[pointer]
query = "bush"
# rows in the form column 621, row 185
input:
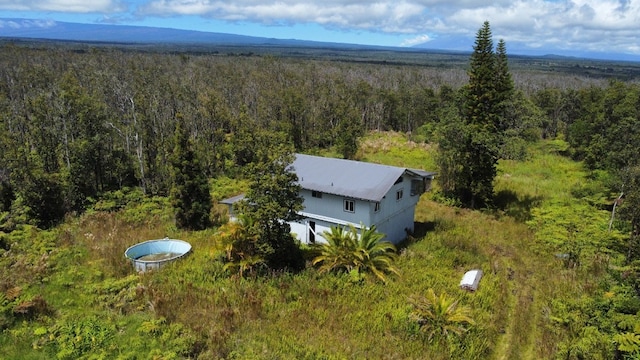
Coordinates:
column 356, row 252
column 440, row 316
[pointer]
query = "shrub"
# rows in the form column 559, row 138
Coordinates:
column 440, row 316
column 238, row 241
column 356, row 253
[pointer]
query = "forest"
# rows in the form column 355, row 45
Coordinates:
column 99, row 143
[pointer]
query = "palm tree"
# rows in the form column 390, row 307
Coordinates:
column 376, row 256
column 348, row 250
column 238, row 240
column 440, row 315
column 337, row 253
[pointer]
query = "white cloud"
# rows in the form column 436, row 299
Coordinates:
column 585, row 24
column 25, row 24
column 68, row 6
column 383, row 16
column 537, row 23
column 416, row 40
column 589, row 24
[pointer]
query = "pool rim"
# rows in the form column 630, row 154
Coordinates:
column 157, row 261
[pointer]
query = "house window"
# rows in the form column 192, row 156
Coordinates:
column 417, row 187
column 349, row 206
column 399, row 194
column 376, row 206
column 400, row 179
column 316, row 194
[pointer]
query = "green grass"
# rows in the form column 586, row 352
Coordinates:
column 192, row 308
column 545, row 175
column 395, row 149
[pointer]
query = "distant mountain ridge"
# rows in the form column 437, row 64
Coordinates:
column 58, row 30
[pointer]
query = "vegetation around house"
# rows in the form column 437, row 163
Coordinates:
column 88, row 155
column 356, row 252
column 70, row 293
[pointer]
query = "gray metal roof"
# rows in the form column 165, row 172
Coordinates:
column 232, row 200
column 354, row 179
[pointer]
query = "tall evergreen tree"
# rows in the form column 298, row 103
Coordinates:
column 40, row 195
column 504, row 82
column 273, row 199
column 480, row 91
column 504, row 88
column 470, row 161
column 190, row 192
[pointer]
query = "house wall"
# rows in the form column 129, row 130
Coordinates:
column 394, row 217
column 395, row 227
column 302, row 230
column 327, row 211
column 332, row 206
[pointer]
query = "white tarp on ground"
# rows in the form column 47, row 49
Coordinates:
column 471, row 279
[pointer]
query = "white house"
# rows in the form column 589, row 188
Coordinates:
column 343, row 192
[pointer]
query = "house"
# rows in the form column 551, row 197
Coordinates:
column 344, row 192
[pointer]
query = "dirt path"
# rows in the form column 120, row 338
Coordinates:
column 518, row 341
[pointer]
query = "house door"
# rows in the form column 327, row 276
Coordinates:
column 312, row 232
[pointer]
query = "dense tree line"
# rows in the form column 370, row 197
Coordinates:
column 78, row 124
column 603, row 131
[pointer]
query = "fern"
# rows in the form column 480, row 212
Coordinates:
column 628, row 342
column 152, row 327
column 4, row 301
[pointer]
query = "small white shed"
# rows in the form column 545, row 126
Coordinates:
column 470, row 280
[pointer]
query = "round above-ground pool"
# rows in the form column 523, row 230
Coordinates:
column 153, row 254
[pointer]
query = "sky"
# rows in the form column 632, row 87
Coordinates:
column 604, row 26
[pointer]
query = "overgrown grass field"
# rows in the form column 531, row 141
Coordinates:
column 78, row 297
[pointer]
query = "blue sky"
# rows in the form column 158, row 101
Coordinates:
column 604, row 26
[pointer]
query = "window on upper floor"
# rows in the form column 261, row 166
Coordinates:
column 417, row 187
column 316, row 194
column 399, row 194
column 400, row 179
column 376, row 206
column 349, row 206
